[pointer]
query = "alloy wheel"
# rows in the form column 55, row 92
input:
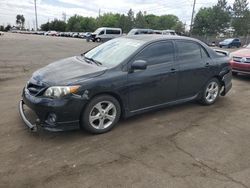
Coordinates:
column 212, row 92
column 102, row 115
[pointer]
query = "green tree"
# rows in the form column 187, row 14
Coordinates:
column 20, row 20
column 152, row 21
column 74, row 23
column 45, row 27
column 57, row 25
column 241, row 17
column 140, row 21
column 8, row 27
column 130, row 19
column 212, row 20
column 1, row 28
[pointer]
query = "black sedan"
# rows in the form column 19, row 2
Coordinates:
column 121, row 78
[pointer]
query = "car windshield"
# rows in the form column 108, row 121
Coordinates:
column 98, row 31
column 113, row 52
column 132, row 32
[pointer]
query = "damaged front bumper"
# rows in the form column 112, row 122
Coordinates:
column 51, row 114
column 32, row 127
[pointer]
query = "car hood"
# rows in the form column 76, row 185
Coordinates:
column 242, row 52
column 68, row 71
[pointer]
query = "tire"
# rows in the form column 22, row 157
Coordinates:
column 101, row 114
column 210, row 92
column 98, row 40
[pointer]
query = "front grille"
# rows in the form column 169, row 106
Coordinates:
column 241, row 59
column 35, row 88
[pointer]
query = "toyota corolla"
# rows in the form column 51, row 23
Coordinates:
column 124, row 77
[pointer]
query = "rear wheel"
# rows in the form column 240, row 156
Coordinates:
column 210, row 92
column 101, row 114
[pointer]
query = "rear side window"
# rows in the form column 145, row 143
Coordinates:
column 188, row 50
column 112, row 32
column 160, row 52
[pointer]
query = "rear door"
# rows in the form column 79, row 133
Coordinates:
column 195, row 67
column 158, row 83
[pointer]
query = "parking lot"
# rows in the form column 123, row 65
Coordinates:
column 183, row 146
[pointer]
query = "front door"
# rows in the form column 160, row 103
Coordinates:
column 158, row 83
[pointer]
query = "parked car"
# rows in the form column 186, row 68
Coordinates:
column 229, row 43
column 164, row 32
column 240, row 62
column 105, row 33
column 51, row 33
column 75, row 35
column 124, row 77
column 1, row 33
column 169, row 32
column 140, row 31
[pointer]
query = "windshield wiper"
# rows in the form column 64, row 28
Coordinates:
column 92, row 60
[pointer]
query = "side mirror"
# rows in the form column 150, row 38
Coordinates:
column 139, row 65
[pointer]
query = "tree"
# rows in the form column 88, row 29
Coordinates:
column 152, row 21
column 45, row 27
column 212, row 20
column 8, row 27
column 57, row 25
column 74, row 23
column 241, row 17
column 140, row 21
column 1, row 28
column 130, row 19
column 20, row 20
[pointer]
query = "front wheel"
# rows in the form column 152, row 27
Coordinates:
column 211, row 92
column 101, row 114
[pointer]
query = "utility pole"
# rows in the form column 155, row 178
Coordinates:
column 36, row 16
column 192, row 18
column 99, row 13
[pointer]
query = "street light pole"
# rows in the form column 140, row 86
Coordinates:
column 36, row 16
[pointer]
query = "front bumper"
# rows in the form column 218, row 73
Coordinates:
column 66, row 110
column 238, row 67
column 31, row 126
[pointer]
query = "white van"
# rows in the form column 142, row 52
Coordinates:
column 105, row 33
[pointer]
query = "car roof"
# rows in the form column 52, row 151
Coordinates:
column 156, row 37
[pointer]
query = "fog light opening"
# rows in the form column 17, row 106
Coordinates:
column 51, row 119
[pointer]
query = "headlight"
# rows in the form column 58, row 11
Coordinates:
column 60, row 91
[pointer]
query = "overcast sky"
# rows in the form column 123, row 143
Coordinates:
column 50, row 9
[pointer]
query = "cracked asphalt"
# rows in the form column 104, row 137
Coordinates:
column 185, row 146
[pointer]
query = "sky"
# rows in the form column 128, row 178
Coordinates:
column 51, row 9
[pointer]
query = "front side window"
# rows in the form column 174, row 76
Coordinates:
column 160, row 52
column 102, row 32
